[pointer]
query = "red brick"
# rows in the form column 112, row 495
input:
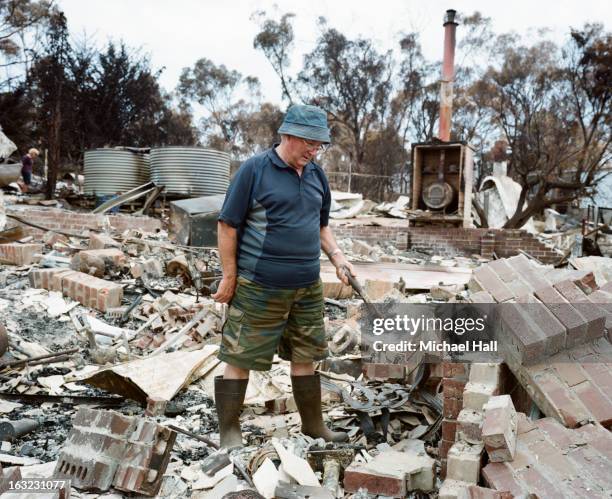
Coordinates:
column 603, row 302
column 145, row 459
column 585, row 280
column 551, row 457
column 522, row 265
column 452, row 407
column 481, row 297
column 391, row 473
column 574, row 322
column 538, row 483
column 546, row 322
column 384, row 371
column 102, row 241
column 490, row 282
column 106, row 448
column 443, row 467
column 85, row 417
column 91, row 291
column 503, row 270
column 601, row 376
column 444, row 446
column 455, row 370
column 469, row 426
column 595, row 464
column 522, row 338
column 599, row 405
column 42, row 278
column 453, row 388
column 476, row 492
column 499, row 429
column 599, row 438
column 499, row 477
column 594, row 317
column 51, row 238
column 449, row 429
column 520, row 287
column 556, row 400
column 571, row 373
column 555, row 432
column 19, row 254
column 58, row 278
column 156, row 406
column 571, row 292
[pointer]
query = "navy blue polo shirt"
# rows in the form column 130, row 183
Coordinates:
column 279, row 216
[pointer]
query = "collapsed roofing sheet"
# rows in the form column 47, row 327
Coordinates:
column 159, row 377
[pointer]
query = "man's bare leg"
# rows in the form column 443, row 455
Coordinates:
column 302, row 368
column 233, row 372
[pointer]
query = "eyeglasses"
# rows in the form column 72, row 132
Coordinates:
column 312, row 146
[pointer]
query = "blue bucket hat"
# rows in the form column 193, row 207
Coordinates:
column 306, row 122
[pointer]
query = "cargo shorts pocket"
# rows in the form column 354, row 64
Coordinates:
column 232, row 329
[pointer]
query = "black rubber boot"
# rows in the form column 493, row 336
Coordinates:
column 229, row 397
column 307, row 395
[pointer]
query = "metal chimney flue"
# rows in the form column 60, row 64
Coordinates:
column 448, row 76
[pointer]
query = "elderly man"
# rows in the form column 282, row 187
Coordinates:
column 272, row 227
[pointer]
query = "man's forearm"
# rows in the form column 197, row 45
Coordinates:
column 335, row 255
column 328, row 242
column 227, row 238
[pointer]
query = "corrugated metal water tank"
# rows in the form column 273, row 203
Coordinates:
column 109, row 171
column 192, row 171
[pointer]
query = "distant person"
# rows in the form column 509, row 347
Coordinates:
column 27, row 162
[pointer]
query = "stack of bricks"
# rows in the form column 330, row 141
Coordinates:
column 454, row 379
column 94, row 448
column 88, row 290
column 464, row 457
column 145, row 459
column 499, row 429
column 19, row 254
column 106, row 448
column 542, row 315
column 487, row 245
column 554, row 461
column 392, row 473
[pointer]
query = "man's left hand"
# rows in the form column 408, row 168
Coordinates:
column 342, row 266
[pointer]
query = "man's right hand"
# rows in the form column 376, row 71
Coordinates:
column 227, row 286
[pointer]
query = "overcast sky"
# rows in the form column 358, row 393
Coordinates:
column 176, row 33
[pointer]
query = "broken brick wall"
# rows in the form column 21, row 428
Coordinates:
column 451, row 241
column 70, row 221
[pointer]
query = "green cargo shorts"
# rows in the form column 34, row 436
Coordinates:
column 263, row 321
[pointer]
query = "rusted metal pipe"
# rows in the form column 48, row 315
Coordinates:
column 448, row 76
column 50, row 357
column 194, row 436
